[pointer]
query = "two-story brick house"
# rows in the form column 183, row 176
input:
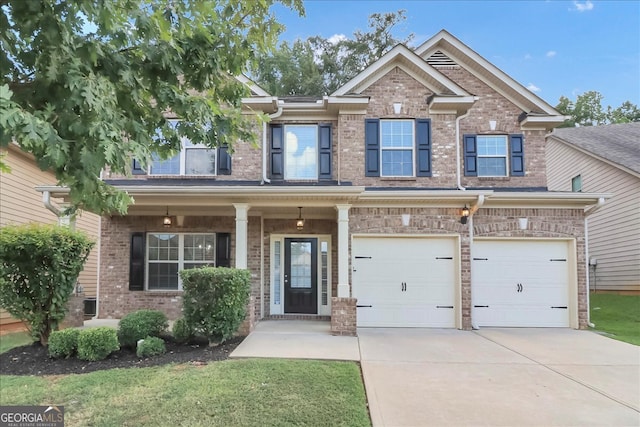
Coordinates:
column 414, row 196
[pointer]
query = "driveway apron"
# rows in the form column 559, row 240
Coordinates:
column 499, row 377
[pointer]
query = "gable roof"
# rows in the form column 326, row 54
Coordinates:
column 406, row 59
column 619, row 143
column 456, row 51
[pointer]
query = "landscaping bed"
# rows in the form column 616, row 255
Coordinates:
column 34, row 359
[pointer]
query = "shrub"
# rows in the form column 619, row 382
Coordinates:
column 97, row 343
column 63, row 343
column 181, row 331
column 151, row 346
column 39, row 267
column 215, row 300
column 140, row 324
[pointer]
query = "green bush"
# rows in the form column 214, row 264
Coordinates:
column 97, row 343
column 215, row 300
column 140, row 324
column 39, row 267
column 151, row 346
column 181, row 331
column 63, row 343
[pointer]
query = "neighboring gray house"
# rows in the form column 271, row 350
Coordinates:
column 604, row 159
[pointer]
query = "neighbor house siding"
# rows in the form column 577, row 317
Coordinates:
column 20, row 203
column 614, row 230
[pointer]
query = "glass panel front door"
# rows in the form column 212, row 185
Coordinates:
column 301, row 276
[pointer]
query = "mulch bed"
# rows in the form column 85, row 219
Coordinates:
column 34, row 359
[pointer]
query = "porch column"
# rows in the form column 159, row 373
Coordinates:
column 242, row 220
column 343, row 251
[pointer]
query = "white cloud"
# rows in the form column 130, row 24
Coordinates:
column 551, row 54
column 582, row 6
column 533, row 88
column 528, row 56
column 336, row 38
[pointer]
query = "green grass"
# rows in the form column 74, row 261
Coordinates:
column 617, row 315
column 17, row 339
column 250, row 392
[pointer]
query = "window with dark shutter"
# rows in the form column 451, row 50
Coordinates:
column 470, row 155
column 372, row 147
column 223, row 250
column 136, row 168
column 136, row 262
column 324, row 152
column 516, row 143
column 277, row 152
column 423, row 147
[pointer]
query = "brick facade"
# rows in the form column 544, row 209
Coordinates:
column 343, row 316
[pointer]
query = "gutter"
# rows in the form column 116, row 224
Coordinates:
column 588, row 212
column 275, row 115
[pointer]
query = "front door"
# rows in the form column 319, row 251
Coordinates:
column 300, row 276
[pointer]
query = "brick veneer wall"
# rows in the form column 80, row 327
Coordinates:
column 543, row 223
column 343, row 316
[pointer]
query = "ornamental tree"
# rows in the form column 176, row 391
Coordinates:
column 88, row 84
column 39, row 268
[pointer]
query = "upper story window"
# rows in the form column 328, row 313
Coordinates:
column 192, row 159
column 397, row 148
column 301, row 152
column 576, row 184
column 493, row 155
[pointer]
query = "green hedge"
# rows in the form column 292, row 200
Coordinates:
column 151, row 346
column 97, row 343
column 181, row 331
column 39, row 267
column 141, row 324
column 63, row 343
column 215, row 300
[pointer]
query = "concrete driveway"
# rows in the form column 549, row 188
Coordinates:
column 499, row 377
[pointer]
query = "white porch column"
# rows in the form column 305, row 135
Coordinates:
column 343, row 251
column 242, row 244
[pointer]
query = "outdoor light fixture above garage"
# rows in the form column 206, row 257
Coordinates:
column 465, row 215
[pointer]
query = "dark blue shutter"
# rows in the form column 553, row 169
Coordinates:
column 224, row 160
column 223, row 249
column 470, row 155
column 324, row 151
column 136, row 168
column 423, row 147
column 516, row 142
column 277, row 152
column 372, row 147
column 136, row 262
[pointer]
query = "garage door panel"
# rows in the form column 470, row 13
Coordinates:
column 408, row 282
column 517, row 283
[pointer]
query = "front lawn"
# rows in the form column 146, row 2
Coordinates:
column 15, row 339
column 617, row 315
column 249, row 392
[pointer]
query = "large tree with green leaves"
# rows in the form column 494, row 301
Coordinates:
column 319, row 66
column 87, row 84
column 587, row 110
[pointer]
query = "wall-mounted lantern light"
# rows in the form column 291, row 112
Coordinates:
column 464, row 215
column 167, row 221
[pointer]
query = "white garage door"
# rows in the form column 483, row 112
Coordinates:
column 520, row 283
column 405, row 281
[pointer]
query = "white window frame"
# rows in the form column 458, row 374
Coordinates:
column 180, row 261
column 412, row 148
column 185, row 146
column 505, row 156
column 285, row 149
column 576, row 184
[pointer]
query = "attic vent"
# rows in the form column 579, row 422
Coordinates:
column 439, row 59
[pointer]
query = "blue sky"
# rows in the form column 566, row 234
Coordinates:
column 553, row 47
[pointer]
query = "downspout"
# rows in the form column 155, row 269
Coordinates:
column 275, row 115
column 588, row 213
column 473, row 210
column 458, row 179
column 46, row 200
column 261, row 266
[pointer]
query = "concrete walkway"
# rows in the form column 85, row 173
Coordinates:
column 297, row 339
column 492, row 377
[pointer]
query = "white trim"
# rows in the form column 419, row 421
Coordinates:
column 252, row 85
column 507, row 156
column 278, row 309
column 412, row 148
